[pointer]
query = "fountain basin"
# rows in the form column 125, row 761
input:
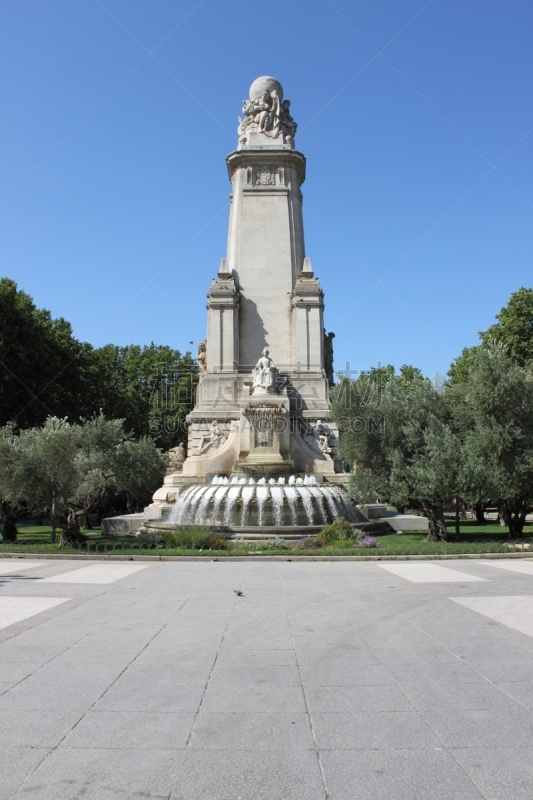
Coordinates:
column 269, row 506
column 249, row 533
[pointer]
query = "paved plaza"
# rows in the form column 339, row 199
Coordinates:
column 346, row 681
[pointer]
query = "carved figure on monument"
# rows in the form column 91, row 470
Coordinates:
column 328, row 356
column 176, row 457
column 266, row 112
column 288, row 122
column 318, row 436
column 212, row 439
column 265, row 374
column 202, row 357
column 261, row 112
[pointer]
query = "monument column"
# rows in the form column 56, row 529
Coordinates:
column 265, row 238
column 265, row 303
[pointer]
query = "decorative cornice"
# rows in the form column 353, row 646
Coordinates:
column 275, row 158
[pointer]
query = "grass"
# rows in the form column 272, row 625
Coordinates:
column 473, row 539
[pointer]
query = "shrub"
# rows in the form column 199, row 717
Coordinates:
column 309, row 543
column 338, row 530
column 276, row 541
column 194, row 539
column 218, row 543
column 169, row 539
column 367, row 541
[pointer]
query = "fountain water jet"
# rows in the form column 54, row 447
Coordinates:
column 266, row 503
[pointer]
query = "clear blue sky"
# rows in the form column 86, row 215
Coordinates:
column 416, row 120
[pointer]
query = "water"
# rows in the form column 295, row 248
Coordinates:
column 334, row 511
column 247, row 494
column 181, row 508
column 347, row 507
column 220, row 494
column 201, row 501
column 320, row 503
column 290, row 494
column 262, row 494
column 277, row 504
column 233, row 494
column 265, row 502
column 307, row 503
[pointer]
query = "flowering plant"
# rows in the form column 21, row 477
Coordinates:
column 368, row 541
column 310, row 542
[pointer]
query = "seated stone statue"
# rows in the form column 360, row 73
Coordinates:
column 212, row 439
column 176, row 457
column 265, row 374
column 318, row 435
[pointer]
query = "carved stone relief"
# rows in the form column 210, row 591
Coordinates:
column 265, row 177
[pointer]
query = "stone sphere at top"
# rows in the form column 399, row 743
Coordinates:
column 265, row 84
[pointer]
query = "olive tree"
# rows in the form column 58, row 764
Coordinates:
column 69, row 469
column 397, row 431
column 493, row 411
column 12, row 500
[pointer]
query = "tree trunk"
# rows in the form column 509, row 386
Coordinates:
column 516, row 526
column 437, row 525
column 9, row 525
column 479, row 509
column 513, row 514
column 52, row 520
column 70, row 530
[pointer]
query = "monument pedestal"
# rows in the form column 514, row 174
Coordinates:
column 265, row 436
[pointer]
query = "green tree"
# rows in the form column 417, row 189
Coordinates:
column 44, row 370
column 68, row 469
column 12, row 501
column 493, row 411
column 400, row 438
column 514, row 331
column 152, row 388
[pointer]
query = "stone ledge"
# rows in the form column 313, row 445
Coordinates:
column 124, row 523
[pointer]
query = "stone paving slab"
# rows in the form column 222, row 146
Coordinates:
column 334, row 681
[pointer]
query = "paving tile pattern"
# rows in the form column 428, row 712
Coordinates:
column 324, row 681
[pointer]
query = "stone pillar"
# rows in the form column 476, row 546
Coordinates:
column 266, row 248
column 308, row 325
column 222, row 326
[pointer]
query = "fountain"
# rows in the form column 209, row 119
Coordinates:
column 262, row 455
column 250, row 508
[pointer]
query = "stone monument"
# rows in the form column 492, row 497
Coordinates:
column 266, row 367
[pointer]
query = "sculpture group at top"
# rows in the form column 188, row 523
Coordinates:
column 267, row 112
